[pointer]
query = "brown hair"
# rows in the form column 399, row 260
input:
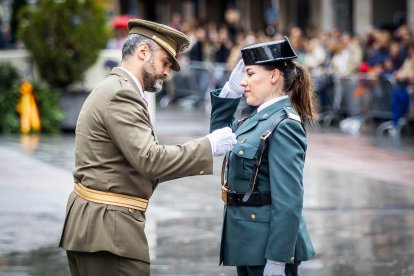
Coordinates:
column 298, row 85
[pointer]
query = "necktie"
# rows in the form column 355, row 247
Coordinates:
column 145, row 100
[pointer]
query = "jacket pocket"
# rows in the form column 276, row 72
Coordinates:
column 137, row 215
column 254, row 214
column 245, row 158
column 245, row 150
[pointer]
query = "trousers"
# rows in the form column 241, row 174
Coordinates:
column 290, row 270
column 105, row 264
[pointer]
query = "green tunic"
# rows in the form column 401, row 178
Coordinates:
column 250, row 235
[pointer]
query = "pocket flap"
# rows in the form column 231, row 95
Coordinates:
column 254, row 214
column 245, row 150
column 138, row 215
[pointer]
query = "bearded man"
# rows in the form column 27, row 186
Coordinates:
column 119, row 162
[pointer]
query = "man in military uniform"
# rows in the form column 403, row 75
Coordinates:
column 119, row 163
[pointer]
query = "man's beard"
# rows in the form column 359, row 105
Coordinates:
column 152, row 82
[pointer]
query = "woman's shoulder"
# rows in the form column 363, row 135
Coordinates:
column 291, row 121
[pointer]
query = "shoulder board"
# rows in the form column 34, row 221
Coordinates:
column 125, row 82
column 293, row 116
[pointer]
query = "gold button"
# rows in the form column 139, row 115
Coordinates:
column 292, row 259
column 130, row 210
column 241, row 152
column 201, row 172
column 253, row 216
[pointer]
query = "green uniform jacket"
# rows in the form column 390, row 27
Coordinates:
column 116, row 151
column 250, row 235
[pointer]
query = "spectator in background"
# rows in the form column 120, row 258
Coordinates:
column 345, row 63
column 197, row 51
column 234, row 54
column 406, row 72
column 316, row 60
column 397, row 54
column 400, row 99
column 393, row 62
column 119, row 26
column 315, row 54
column 379, row 53
column 118, row 40
column 175, row 22
column 222, row 46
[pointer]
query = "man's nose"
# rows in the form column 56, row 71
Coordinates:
column 166, row 72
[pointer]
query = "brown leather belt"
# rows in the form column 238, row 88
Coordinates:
column 136, row 203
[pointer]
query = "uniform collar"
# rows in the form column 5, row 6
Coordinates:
column 273, row 107
column 128, row 76
column 141, row 91
column 270, row 102
column 263, row 114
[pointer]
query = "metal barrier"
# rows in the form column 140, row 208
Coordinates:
column 381, row 95
column 355, row 100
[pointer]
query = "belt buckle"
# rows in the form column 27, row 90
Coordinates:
column 224, row 192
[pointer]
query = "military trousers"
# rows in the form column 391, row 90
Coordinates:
column 290, row 270
column 105, row 264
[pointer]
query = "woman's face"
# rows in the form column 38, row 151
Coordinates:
column 258, row 84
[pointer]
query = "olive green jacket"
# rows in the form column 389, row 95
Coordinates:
column 250, row 235
column 116, row 151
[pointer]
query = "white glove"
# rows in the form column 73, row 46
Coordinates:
column 273, row 268
column 222, row 140
column 232, row 89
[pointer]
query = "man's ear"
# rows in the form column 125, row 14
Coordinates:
column 142, row 51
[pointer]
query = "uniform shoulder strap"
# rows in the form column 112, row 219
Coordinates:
column 259, row 155
column 292, row 115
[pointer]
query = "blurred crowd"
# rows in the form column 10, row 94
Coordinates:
column 344, row 66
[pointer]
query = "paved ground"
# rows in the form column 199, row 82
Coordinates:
column 359, row 205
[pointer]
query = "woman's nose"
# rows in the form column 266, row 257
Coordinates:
column 244, row 81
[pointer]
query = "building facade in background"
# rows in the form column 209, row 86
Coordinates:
column 312, row 16
column 352, row 16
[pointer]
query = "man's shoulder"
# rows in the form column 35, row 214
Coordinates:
column 113, row 84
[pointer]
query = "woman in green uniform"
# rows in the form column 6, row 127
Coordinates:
column 264, row 232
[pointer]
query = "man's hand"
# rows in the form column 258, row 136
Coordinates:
column 232, row 89
column 222, row 140
column 273, row 268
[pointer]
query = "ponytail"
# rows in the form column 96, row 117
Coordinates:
column 301, row 93
column 299, row 86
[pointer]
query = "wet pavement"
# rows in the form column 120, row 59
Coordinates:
column 359, row 205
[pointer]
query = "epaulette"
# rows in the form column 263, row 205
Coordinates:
column 292, row 115
column 125, row 82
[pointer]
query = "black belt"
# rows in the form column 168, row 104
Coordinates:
column 231, row 198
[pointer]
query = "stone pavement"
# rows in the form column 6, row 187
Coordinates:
column 359, row 205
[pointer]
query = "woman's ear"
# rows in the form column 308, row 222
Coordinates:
column 275, row 75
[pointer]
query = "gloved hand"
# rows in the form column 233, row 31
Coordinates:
column 232, row 89
column 273, row 268
column 222, row 140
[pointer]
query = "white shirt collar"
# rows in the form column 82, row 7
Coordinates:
column 141, row 91
column 270, row 102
